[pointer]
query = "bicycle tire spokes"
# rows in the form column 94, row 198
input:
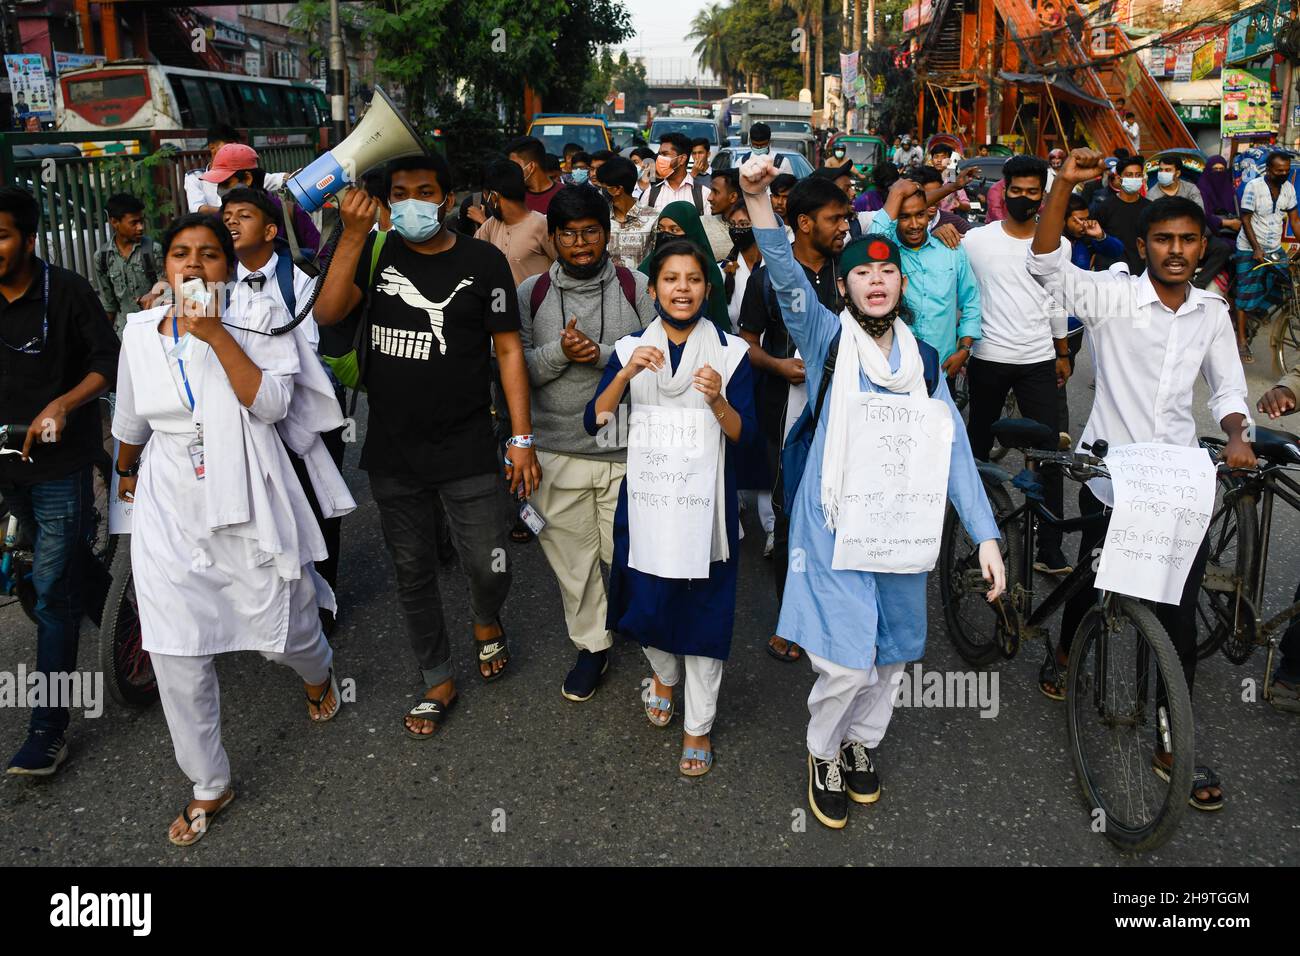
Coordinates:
column 1128, row 702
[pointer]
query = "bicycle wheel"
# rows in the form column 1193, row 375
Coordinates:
column 975, row 626
column 1120, row 661
column 122, row 657
column 24, row 589
column 1230, row 570
column 1284, row 341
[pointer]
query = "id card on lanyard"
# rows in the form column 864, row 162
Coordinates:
column 196, row 446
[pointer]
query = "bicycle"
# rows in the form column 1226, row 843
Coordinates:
column 1122, row 695
column 1281, row 320
column 107, row 584
column 1231, row 597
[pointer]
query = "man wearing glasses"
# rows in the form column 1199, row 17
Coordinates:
column 58, row 353
column 570, row 318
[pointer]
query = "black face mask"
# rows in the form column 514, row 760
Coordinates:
column 742, row 238
column 589, row 271
column 1022, row 208
column 873, row 326
column 661, row 238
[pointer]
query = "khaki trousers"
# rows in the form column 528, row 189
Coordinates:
column 577, row 500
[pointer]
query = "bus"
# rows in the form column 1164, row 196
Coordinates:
column 132, row 95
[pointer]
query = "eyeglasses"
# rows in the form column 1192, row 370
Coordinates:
column 569, row 237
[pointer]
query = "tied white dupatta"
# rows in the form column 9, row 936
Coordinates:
column 677, row 390
column 858, row 352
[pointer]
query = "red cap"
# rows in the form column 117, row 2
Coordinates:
column 230, row 159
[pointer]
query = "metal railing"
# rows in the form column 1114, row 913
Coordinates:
column 72, row 189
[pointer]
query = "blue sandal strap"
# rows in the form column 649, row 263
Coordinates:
column 695, row 753
column 659, row 703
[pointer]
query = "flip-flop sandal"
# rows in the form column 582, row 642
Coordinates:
column 493, row 649
column 695, row 753
column 193, row 836
column 434, row 711
column 652, row 702
column 1247, row 357
column 332, row 687
column 1051, row 679
column 1203, row 778
column 521, row 533
column 793, row 652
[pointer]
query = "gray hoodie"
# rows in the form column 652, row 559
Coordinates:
column 561, row 388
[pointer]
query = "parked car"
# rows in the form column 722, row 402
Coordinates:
column 623, row 134
column 555, row 130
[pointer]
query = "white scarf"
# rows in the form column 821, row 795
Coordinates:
column 677, row 390
column 863, row 355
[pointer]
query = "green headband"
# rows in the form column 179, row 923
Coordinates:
column 871, row 248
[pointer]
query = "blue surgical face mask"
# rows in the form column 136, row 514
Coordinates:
column 1165, row 178
column 579, row 176
column 416, row 220
column 760, row 150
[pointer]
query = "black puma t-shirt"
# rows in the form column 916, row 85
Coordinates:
column 428, row 369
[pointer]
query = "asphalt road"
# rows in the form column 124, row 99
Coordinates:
column 520, row 775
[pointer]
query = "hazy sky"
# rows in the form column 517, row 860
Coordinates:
column 660, row 27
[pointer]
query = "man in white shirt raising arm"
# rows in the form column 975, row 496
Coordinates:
column 1151, row 335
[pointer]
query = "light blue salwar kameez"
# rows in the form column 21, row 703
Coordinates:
column 851, row 620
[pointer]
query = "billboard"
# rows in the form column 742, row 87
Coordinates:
column 1247, row 102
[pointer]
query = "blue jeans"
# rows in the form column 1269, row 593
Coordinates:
column 61, row 512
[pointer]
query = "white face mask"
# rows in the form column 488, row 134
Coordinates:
column 1131, row 184
column 1164, row 178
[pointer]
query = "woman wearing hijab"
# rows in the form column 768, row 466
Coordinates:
column 1221, row 211
column 672, row 587
column 858, row 610
column 223, row 539
column 679, row 220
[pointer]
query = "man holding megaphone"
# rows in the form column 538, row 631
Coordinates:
column 428, row 306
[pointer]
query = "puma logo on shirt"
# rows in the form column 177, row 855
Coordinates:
column 392, row 282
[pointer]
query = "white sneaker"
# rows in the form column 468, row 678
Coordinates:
column 771, row 544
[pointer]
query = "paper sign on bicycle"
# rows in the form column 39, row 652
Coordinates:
column 896, row 485
column 1164, row 496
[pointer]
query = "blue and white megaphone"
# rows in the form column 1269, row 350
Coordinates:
column 382, row 134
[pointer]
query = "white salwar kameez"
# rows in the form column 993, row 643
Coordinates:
column 224, row 563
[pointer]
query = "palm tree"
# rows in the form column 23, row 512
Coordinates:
column 710, row 28
column 811, row 16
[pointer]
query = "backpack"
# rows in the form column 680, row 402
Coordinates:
column 284, row 279
column 697, row 194
column 543, row 286
column 798, row 443
column 348, row 366
column 146, row 253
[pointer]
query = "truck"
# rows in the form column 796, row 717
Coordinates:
column 790, row 121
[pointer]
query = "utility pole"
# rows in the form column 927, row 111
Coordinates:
column 337, row 92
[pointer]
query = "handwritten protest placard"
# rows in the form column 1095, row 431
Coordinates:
column 119, row 511
column 1164, row 496
column 896, row 488
column 672, row 467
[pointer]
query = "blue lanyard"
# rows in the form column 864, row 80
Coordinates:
column 29, row 348
column 184, row 378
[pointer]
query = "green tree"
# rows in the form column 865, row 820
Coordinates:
column 714, row 49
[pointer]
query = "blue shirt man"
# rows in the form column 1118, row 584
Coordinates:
column 941, row 289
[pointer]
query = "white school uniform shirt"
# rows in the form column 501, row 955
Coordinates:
column 1267, row 217
column 241, row 297
column 200, row 192
column 683, row 192
column 1147, row 355
column 1019, row 319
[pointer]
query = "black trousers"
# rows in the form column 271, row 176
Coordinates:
column 1178, row 619
column 1035, row 389
column 781, row 524
column 1062, row 395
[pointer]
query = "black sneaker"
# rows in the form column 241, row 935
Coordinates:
column 1052, row 561
column 860, row 777
column 41, row 755
column 826, row 794
column 585, row 677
